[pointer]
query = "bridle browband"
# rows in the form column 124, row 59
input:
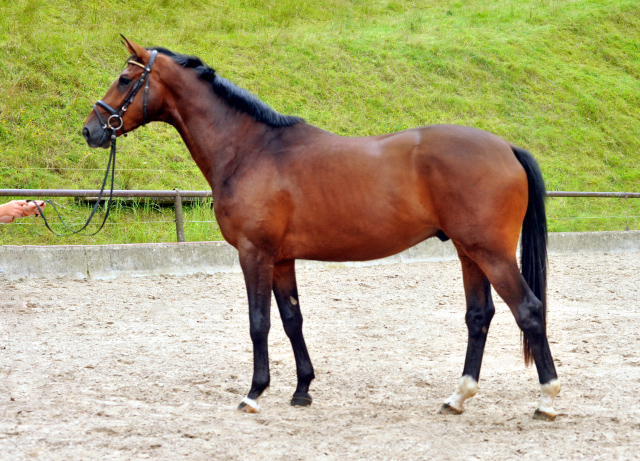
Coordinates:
column 117, row 114
column 109, row 125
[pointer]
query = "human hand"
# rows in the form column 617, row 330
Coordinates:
column 31, row 208
column 18, row 209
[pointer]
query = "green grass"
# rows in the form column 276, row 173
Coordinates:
column 560, row 78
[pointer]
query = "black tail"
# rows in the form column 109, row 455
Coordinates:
column 533, row 246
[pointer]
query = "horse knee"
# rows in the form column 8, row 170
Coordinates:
column 479, row 319
column 259, row 332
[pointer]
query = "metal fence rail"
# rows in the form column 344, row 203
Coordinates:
column 595, row 194
column 177, row 195
column 96, row 192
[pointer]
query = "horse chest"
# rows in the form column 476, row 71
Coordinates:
column 253, row 221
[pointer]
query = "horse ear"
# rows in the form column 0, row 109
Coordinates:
column 134, row 48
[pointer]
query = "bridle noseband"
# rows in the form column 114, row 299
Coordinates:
column 114, row 122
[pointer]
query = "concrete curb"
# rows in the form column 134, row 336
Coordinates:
column 111, row 261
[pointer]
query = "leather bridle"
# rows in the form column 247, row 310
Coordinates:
column 116, row 115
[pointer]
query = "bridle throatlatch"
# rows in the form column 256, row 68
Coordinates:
column 113, row 124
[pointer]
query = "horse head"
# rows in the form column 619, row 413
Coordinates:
column 121, row 109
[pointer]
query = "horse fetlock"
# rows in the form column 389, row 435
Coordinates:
column 548, row 393
column 304, row 379
column 467, row 388
column 258, row 387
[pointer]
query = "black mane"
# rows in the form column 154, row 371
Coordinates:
column 233, row 95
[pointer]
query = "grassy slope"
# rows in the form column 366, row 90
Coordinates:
column 560, row 78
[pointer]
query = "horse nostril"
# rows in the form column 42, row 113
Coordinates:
column 86, row 133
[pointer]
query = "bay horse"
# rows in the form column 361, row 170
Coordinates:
column 284, row 190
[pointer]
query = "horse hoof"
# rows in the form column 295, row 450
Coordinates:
column 543, row 416
column 447, row 409
column 248, row 406
column 301, row 400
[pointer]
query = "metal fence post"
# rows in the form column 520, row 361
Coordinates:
column 627, row 218
column 179, row 221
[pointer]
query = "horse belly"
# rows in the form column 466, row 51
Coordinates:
column 347, row 242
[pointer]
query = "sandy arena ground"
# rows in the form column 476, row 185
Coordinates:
column 154, row 368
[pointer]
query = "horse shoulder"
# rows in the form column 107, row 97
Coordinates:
column 259, row 208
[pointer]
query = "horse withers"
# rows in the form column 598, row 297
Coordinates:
column 285, row 190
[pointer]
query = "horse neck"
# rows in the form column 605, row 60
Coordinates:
column 220, row 139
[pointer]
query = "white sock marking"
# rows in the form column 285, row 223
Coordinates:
column 548, row 393
column 468, row 387
column 252, row 403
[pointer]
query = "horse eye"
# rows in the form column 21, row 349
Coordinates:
column 124, row 81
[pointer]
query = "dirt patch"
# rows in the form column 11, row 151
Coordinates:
column 154, row 368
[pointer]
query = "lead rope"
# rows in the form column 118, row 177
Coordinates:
column 111, row 168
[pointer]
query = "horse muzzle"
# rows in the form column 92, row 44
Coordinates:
column 95, row 135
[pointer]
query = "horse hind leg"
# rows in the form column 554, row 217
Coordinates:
column 529, row 313
column 480, row 311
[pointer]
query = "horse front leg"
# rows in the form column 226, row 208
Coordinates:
column 286, row 293
column 257, row 268
column 480, row 311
